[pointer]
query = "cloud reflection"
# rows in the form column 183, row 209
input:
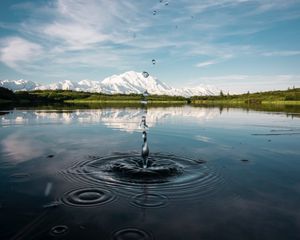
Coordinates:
column 20, row 150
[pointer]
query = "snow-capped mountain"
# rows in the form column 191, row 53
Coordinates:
column 128, row 82
column 134, row 82
column 19, row 85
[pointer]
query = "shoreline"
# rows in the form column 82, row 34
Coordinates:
column 193, row 102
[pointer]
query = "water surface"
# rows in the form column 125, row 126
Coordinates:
column 71, row 174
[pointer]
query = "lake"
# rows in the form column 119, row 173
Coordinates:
column 212, row 173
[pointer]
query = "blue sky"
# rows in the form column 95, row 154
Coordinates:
column 236, row 45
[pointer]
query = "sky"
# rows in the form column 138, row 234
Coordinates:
column 235, row 45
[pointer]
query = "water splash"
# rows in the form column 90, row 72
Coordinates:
column 145, row 150
column 144, row 126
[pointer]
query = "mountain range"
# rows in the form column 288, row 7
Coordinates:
column 126, row 83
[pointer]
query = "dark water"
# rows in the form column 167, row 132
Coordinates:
column 76, row 174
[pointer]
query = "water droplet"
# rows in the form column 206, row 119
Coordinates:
column 143, row 122
column 131, row 234
column 145, row 74
column 50, row 156
column 153, row 61
column 145, row 153
column 144, row 135
column 166, row 3
column 154, row 12
column 145, row 94
column 59, row 230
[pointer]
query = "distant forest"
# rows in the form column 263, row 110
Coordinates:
column 49, row 96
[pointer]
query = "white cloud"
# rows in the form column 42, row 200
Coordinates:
column 15, row 51
column 75, row 35
column 96, row 36
column 205, row 64
column 80, row 24
column 281, row 53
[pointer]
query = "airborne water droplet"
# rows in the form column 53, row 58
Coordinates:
column 145, row 74
column 153, row 61
column 145, row 94
column 166, row 3
column 154, row 12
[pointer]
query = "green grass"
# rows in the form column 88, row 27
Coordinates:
column 5, row 101
column 290, row 96
column 234, row 102
column 121, row 101
column 282, row 102
column 284, row 97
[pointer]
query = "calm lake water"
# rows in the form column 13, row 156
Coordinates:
column 215, row 174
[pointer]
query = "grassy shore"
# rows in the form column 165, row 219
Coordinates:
column 124, row 101
column 239, row 102
column 5, row 101
column 280, row 97
column 281, row 102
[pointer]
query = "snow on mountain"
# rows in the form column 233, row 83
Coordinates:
column 128, row 82
column 133, row 82
column 19, row 85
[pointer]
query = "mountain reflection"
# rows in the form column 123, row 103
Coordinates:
column 126, row 119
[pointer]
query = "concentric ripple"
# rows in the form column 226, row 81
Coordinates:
column 167, row 174
column 151, row 200
column 131, row 234
column 87, row 197
column 59, row 230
